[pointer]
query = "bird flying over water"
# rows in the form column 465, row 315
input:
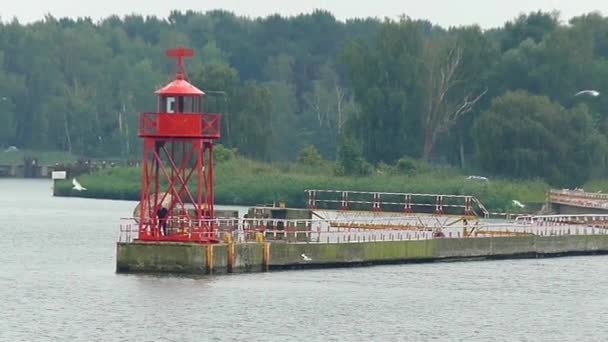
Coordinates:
column 479, row 178
column 77, row 185
column 593, row 93
column 305, row 257
column 518, row 204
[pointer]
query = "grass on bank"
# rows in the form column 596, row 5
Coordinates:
column 246, row 182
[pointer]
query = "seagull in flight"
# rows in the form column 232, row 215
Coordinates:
column 77, row 185
column 480, row 178
column 305, row 257
column 518, row 204
column 593, row 93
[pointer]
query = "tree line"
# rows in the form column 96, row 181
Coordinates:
column 500, row 101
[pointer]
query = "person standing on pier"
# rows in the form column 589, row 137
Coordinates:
column 162, row 219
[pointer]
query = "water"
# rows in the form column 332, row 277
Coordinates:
column 57, row 283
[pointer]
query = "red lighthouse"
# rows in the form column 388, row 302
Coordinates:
column 177, row 180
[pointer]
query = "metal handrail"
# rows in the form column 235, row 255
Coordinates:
column 210, row 124
column 578, row 194
column 348, row 230
column 377, row 202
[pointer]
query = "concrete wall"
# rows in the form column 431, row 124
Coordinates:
column 38, row 171
column 249, row 257
column 290, row 255
column 161, row 257
column 220, row 259
column 256, row 257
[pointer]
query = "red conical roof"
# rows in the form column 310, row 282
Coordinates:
column 180, row 87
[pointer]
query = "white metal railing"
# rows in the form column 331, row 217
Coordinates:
column 406, row 201
column 380, row 229
column 575, row 218
column 578, row 194
column 579, row 198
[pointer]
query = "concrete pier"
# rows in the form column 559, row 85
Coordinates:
column 189, row 258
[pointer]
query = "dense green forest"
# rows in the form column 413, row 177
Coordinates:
column 500, row 101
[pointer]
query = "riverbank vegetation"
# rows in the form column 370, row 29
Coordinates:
column 241, row 181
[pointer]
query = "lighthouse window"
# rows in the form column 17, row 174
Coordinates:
column 170, row 105
column 180, row 105
column 189, row 105
column 186, row 104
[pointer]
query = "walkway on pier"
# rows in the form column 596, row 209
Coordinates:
column 577, row 202
column 332, row 226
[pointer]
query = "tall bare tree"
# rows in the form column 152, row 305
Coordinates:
column 448, row 96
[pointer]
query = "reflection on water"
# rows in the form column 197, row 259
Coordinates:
column 57, row 283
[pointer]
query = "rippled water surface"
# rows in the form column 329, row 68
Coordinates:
column 57, row 283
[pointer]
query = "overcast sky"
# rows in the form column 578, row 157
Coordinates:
column 487, row 13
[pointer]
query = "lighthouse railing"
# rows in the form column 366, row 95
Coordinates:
column 190, row 125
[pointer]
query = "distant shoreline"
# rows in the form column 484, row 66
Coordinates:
column 247, row 183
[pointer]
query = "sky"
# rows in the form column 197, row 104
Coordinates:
column 486, row 13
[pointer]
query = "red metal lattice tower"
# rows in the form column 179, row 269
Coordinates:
column 177, row 200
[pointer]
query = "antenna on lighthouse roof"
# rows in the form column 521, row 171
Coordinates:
column 180, row 53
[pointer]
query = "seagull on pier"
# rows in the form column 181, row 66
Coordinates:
column 305, row 257
column 518, row 204
column 77, row 185
column 593, row 93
